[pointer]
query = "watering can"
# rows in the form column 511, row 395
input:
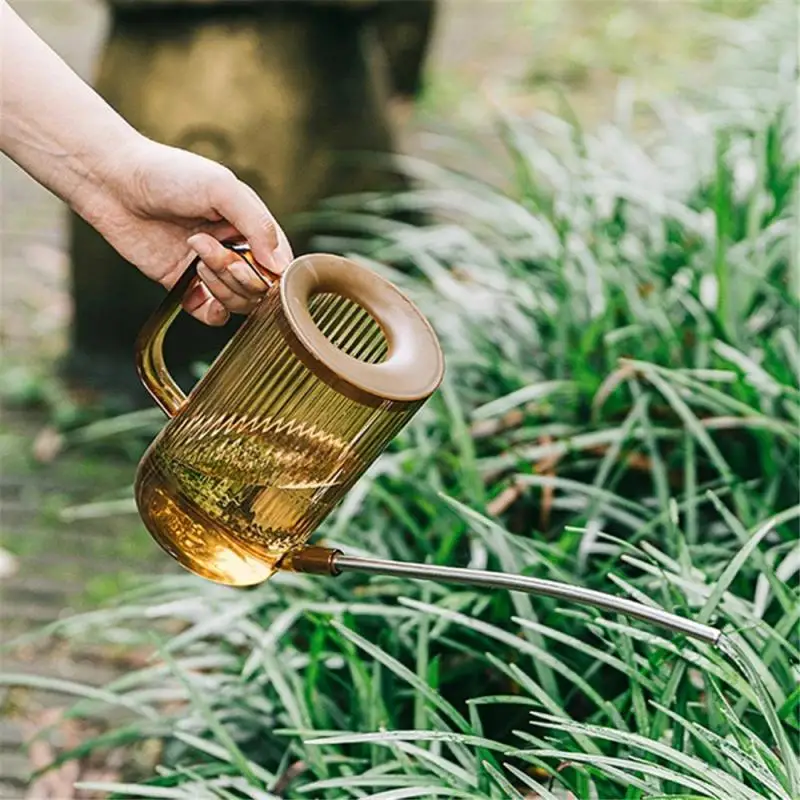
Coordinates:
column 331, row 364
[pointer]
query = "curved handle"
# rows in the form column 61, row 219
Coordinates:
column 150, row 364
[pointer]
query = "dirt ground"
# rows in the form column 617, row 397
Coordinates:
column 522, row 53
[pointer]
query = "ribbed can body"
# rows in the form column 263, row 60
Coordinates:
column 267, row 444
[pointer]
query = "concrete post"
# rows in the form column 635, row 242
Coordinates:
column 274, row 90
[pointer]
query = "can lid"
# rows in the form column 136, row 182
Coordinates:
column 414, row 364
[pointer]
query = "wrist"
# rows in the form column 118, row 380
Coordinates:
column 52, row 124
column 101, row 170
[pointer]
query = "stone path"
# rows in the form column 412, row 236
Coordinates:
column 61, row 567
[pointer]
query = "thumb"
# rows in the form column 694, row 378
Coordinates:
column 244, row 209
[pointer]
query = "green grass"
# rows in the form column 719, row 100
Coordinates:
column 622, row 411
column 535, row 54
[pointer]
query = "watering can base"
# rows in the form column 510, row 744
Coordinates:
column 196, row 542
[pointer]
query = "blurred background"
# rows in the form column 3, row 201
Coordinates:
column 452, row 61
column 572, row 182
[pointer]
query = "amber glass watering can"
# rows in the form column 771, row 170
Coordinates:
column 333, row 362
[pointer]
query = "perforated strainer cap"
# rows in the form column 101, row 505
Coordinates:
column 414, row 364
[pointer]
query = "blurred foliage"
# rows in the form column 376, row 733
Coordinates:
column 622, row 411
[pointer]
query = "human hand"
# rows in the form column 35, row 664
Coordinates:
column 154, row 204
column 158, row 206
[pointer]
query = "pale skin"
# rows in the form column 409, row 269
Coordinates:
column 156, row 205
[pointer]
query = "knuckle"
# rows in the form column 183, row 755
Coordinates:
column 267, row 222
column 225, row 184
column 227, row 176
column 270, row 228
column 207, row 273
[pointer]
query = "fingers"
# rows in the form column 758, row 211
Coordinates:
column 228, row 284
column 243, row 208
column 203, row 306
column 226, row 277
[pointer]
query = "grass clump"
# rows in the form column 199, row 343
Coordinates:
column 622, row 410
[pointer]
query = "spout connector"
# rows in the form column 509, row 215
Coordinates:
column 312, row 561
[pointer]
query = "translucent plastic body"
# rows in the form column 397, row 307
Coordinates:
column 271, row 438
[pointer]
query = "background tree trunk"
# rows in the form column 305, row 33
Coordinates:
column 276, row 91
column 404, row 30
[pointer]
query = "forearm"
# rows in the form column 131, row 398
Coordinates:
column 52, row 124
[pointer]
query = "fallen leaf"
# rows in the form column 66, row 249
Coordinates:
column 506, row 498
column 290, row 773
column 59, row 784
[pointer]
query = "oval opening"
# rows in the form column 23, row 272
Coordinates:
column 349, row 327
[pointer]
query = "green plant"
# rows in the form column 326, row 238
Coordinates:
column 355, row 687
column 622, row 410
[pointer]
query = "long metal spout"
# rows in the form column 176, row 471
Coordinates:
column 324, row 561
